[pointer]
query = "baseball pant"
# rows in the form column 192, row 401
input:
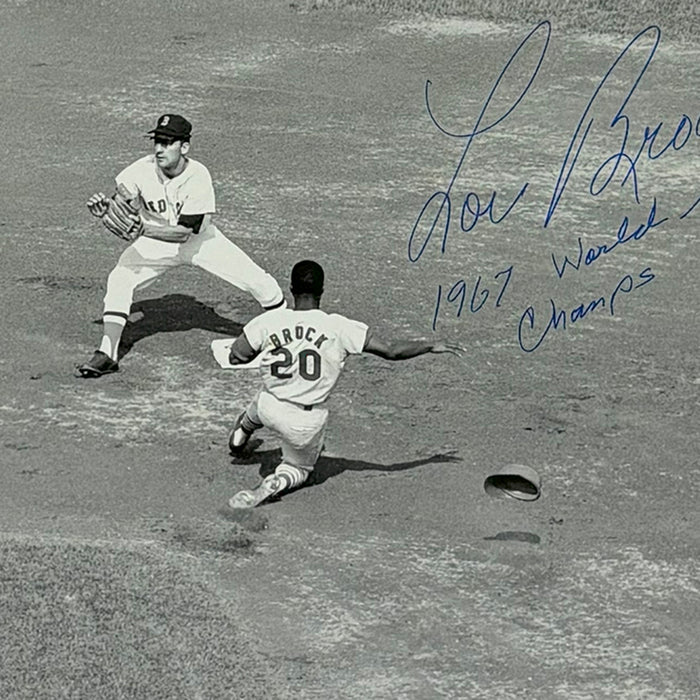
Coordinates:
column 147, row 258
column 301, row 431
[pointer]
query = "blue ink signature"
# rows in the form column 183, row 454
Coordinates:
column 623, row 236
column 560, row 319
column 570, row 160
column 458, row 294
column 684, row 130
column 472, row 204
column 687, row 211
column 437, row 209
column 623, row 166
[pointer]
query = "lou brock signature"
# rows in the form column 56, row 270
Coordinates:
column 634, row 148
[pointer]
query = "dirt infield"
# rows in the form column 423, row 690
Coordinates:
column 393, row 574
column 680, row 19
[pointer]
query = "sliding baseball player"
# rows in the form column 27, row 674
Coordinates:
column 302, row 353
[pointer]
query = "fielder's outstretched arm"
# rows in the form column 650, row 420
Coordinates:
column 179, row 233
column 405, row 349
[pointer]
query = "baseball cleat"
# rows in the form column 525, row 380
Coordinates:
column 100, row 363
column 238, row 437
column 269, row 486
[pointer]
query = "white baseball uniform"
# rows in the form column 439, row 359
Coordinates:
column 302, row 356
column 162, row 201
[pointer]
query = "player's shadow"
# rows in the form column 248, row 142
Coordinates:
column 327, row 467
column 169, row 313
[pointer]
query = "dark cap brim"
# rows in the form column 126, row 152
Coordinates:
column 167, row 134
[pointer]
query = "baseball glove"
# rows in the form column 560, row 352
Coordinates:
column 123, row 217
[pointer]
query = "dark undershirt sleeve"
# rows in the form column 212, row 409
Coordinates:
column 193, row 221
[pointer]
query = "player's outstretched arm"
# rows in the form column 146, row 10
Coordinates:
column 169, row 234
column 179, row 233
column 406, row 349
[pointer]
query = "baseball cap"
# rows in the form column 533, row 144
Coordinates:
column 307, row 278
column 514, row 481
column 172, row 126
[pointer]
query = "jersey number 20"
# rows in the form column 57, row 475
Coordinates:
column 309, row 364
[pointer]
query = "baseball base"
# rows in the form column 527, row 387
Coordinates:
column 221, row 347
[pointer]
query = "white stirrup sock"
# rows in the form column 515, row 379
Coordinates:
column 291, row 475
column 112, row 328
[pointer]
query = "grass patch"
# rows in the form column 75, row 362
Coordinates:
column 102, row 620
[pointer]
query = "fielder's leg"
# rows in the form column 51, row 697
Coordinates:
column 137, row 267
column 215, row 253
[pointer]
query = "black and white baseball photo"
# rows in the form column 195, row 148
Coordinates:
column 350, row 350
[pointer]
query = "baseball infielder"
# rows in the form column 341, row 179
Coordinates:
column 302, row 351
column 175, row 196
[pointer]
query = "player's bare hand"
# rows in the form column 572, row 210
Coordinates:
column 449, row 348
column 98, row 204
